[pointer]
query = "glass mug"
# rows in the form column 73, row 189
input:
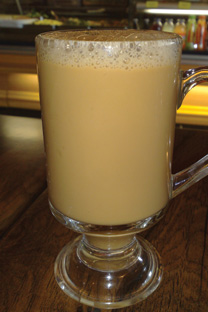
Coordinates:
column 108, row 101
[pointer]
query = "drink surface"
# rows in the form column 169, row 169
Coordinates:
column 107, row 35
column 108, row 115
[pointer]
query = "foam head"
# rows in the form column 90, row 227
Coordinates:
column 109, row 48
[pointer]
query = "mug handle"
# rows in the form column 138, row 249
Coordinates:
column 182, row 180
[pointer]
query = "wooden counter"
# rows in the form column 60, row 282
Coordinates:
column 31, row 237
column 22, row 166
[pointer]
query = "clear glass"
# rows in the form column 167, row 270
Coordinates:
column 108, row 102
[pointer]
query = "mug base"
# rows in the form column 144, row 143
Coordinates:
column 108, row 279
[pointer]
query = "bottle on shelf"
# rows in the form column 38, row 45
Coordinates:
column 157, row 24
column 168, row 25
column 180, row 29
column 136, row 23
column 191, row 33
column 201, row 30
column 146, row 23
column 206, row 39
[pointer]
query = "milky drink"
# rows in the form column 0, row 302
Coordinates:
column 108, row 115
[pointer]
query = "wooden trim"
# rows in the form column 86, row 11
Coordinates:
column 23, row 96
column 3, row 94
column 19, row 99
column 192, row 114
column 17, row 63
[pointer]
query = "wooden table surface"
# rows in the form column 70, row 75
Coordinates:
column 31, row 238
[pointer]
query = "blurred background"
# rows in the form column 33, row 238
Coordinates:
column 22, row 20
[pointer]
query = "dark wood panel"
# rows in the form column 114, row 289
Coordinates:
column 190, row 145
column 10, row 6
column 22, row 166
column 115, row 3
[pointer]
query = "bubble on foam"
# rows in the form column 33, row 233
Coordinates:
column 126, row 49
column 91, row 47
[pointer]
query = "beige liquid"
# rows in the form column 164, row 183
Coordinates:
column 108, row 139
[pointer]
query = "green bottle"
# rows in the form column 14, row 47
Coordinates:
column 191, row 33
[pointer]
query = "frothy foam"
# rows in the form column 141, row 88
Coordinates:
column 126, row 49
